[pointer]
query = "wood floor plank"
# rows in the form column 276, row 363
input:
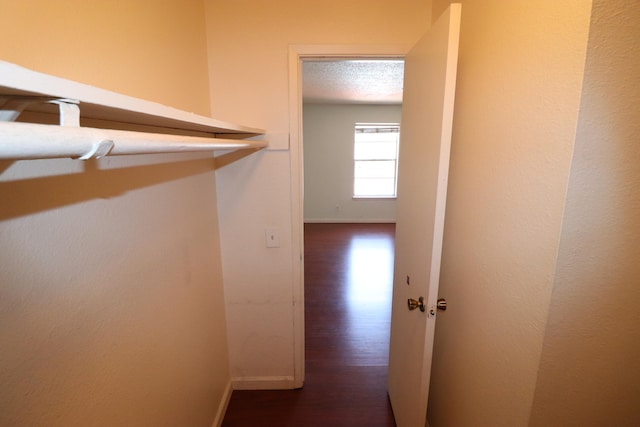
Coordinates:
column 348, row 285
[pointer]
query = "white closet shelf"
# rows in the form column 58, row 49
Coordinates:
column 109, row 123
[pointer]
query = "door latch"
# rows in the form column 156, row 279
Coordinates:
column 440, row 305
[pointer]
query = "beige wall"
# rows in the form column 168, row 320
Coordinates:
column 517, row 99
column 589, row 372
column 328, row 163
column 111, row 301
column 249, row 45
column 150, row 49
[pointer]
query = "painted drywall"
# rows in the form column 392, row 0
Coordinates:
column 328, row 163
column 111, row 298
column 154, row 50
column 516, row 110
column 112, row 307
column 589, row 372
column 249, row 43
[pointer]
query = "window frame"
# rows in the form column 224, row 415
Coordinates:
column 376, row 128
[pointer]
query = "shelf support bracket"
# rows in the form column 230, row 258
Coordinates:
column 69, row 112
column 12, row 106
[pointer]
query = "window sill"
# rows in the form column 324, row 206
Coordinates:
column 374, row 197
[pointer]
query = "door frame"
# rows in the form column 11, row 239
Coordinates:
column 298, row 53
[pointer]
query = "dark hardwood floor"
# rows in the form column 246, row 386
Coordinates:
column 348, row 285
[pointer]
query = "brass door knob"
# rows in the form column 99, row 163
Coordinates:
column 413, row 304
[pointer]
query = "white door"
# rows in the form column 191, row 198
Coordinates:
column 425, row 141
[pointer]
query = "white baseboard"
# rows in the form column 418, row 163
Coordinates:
column 264, row 383
column 222, row 407
column 349, row 221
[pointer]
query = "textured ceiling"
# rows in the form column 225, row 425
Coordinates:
column 352, row 81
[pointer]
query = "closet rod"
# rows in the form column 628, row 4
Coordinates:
column 22, row 141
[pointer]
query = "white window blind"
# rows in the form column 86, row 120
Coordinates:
column 375, row 159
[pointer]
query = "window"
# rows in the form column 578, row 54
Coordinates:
column 375, row 160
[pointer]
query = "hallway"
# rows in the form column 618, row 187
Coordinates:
column 348, row 285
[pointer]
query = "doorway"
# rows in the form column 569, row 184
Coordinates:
column 345, row 97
